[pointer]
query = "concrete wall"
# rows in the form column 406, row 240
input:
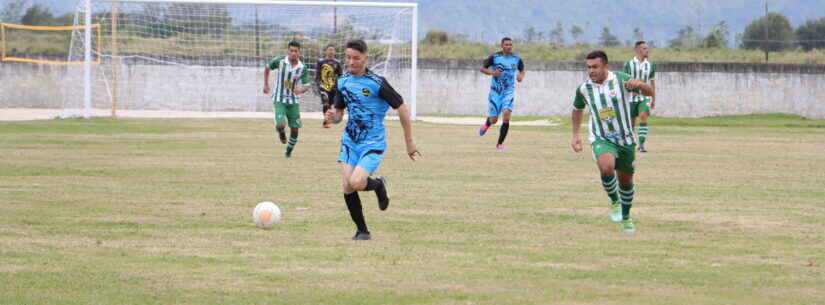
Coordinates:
column 445, row 87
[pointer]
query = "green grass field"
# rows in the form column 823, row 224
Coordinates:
column 139, row 211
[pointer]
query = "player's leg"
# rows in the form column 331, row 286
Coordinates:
column 493, row 110
column 605, row 155
column 507, row 109
column 326, row 104
column 368, row 163
column 353, row 202
column 280, row 120
column 293, row 115
column 625, row 169
column 644, row 113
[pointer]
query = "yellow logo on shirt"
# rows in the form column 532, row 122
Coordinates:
column 366, row 92
column 607, row 113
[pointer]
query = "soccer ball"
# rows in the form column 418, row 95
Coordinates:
column 266, row 214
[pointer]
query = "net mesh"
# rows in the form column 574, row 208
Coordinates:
column 210, row 57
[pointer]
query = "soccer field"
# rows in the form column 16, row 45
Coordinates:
column 157, row 211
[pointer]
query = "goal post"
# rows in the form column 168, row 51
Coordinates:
column 208, row 55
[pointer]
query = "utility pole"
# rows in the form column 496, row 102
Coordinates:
column 257, row 34
column 767, row 26
column 335, row 18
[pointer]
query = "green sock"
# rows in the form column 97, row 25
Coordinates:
column 642, row 134
column 293, row 139
column 626, row 193
column 610, row 186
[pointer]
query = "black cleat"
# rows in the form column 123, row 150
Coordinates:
column 381, row 193
column 282, row 137
column 361, row 236
column 288, row 153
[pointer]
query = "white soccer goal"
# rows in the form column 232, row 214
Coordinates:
column 207, row 56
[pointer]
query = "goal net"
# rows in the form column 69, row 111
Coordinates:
column 166, row 58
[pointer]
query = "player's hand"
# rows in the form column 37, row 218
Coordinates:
column 576, row 143
column 519, row 78
column 497, row 73
column 633, row 83
column 267, row 89
column 412, row 151
column 301, row 90
column 653, row 105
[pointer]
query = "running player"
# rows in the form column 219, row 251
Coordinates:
column 641, row 105
column 611, row 133
column 502, row 66
column 327, row 71
column 291, row 80
column 367, row 97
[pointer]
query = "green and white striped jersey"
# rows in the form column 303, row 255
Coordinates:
column 609, row 109
column 287, row 78
column 643, row 70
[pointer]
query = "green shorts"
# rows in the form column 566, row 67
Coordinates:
column 637, row 108
column 625, row 156
column 287, row 112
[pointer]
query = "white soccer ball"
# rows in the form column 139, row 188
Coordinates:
column 266, row 214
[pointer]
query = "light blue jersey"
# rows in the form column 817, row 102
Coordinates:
column 367, row 99
column 502, row 87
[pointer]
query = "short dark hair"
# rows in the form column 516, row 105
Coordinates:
column 358, row 45
column 640, row 42
column 330, row 46
column 598, row 54
column 294, row 43
column 505, row 39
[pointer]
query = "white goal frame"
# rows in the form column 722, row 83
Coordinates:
column 87, row 63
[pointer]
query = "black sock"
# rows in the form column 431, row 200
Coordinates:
column 504, row 127
column 372, row 184
column 280, row 129
column 354, row 206
column 487, row 123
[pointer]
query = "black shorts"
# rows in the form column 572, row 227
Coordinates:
column 327, row 97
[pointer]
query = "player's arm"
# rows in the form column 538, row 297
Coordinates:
column 269, row 67
column 576, row 121
column 520, row 75
column 392, row 97
column 266, row 81
column 304, row 83
column 653, row 84
column 485, row 68
column 318, row 73
column 336, row 113
column 634, row 83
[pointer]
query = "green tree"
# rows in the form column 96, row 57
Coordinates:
column 811, row 35
column 436, row 37
column 37, row 15
column 13, row 11
column 718, row 37
column 686, row 38
column 607, row 39
column 557, row 34
column 770, row 33
column 531, row 35
column 576, row 32
column 638, row 35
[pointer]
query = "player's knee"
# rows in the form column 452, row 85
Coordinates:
column 280, row 126
column 493, row 120
column 357, row 183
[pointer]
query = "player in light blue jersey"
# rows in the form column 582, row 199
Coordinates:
column 367, row 97
column 506, row 68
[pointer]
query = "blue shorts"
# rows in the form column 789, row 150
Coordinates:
column 500, row 101
column 368, row 158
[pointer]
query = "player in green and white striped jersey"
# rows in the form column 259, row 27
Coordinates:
column 611, row 131
column 291, row 80
column 641, row 104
